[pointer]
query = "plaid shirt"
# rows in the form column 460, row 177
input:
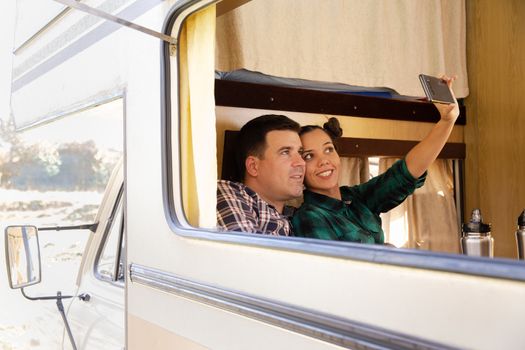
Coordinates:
column 355, row 218
column 240, row 209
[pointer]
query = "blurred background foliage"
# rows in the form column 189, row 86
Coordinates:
column 45, row 166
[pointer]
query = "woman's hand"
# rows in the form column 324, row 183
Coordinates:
column 424, row 153
column 448, row 112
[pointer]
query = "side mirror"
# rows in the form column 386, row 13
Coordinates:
column 22, row 256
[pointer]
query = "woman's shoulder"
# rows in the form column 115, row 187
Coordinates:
column 304, row 209
column 305, row 217
column 309, row 211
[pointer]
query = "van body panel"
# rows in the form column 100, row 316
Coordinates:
column 99, row 323
column 162, row 338
column 210, row 327
column 197, row 288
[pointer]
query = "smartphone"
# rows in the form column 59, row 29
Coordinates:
column 436, row 89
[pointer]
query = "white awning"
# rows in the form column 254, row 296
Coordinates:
column 78, row 59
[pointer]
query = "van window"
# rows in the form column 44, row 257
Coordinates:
column 205, row 32
column 236, row 40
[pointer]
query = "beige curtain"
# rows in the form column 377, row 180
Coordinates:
column 427, row 219
column 358, row 42
column 353, row 171
column 197, row 47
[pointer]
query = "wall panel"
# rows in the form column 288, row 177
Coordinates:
column 495, row 131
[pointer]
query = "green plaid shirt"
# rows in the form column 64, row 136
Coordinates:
column 355, row 218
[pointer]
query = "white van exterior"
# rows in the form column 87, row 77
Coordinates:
column 192, row 288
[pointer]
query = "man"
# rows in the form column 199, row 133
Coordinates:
column 272, row 170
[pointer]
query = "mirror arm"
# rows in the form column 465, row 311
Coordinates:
column 58, row 296
column 91, row 227
column 60, row 307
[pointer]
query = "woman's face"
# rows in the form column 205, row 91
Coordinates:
column 322, row 163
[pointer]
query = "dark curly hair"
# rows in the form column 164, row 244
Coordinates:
column 331, row 128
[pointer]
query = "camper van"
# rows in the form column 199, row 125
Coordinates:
column 157, row 273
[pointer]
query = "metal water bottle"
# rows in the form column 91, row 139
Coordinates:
column 476, row 240
column 520, row 236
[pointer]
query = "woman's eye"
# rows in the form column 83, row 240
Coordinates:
column 307, row 156
column 329, row 149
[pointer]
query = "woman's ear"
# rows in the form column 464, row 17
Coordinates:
column 252, row 166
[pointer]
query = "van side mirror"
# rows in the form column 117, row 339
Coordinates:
column 22, row 253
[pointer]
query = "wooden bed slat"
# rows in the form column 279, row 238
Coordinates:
column 259, row 96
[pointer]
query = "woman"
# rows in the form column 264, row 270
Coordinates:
column 352, row 213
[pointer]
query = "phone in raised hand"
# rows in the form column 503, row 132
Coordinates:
column 436, row 89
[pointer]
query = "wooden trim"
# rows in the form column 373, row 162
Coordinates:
column 228, row 5
column 259, row 96
column 357, row 147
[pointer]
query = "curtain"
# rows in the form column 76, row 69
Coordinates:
column 197, row 104
column 427, row 219
column 358, row 42
column 353, row 171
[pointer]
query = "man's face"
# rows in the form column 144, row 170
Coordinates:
column 280, row 171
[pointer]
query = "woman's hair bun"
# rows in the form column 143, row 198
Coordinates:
column 333, row 128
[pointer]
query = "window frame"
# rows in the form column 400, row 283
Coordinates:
column 119, row 274
column 501, row 268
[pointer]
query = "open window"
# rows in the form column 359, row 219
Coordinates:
column 316, row 45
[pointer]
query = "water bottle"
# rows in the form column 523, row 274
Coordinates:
column 476, row 239
column 520, row 236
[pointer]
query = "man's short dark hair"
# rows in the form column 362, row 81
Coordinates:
column 252, row 137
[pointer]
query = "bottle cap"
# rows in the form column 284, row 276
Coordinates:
column 476, row 223
column 521, row 218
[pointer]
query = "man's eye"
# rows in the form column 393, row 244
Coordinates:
column 285, row 152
